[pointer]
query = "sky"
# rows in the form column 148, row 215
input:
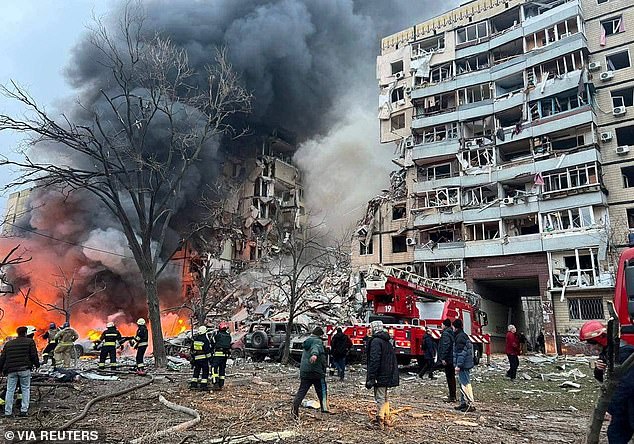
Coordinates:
column 36, row 40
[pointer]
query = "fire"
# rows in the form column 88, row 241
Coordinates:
column 93, row 335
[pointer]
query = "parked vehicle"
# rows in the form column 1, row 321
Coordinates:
column 266, row 338
column 624, row 295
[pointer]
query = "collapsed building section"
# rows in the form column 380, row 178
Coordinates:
column 494, row 107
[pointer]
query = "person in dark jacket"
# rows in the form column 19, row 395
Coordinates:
column 463, row 363
column 429, row 355
column 110, row 340
column 49, row 350
column 340, row 346
column 382, row 368
column 541, row 343
column 17, row 359
column 445, row 358
column 512, row 351
column 140, row 345
column 312, row 372
column 200, row 353
column 221, row 343
column 621, row 407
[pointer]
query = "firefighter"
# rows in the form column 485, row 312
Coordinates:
column 109, row 342
column 222, row 350
column 65, row 340
column 621, row 406
column 50, row 346
column 200, row 354
column 139, row 342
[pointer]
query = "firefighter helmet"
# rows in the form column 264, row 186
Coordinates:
column 223, row 326
column 594, row 331
column 65, row 325
column 202, row 330
column 30, row 330
column 110, row 324
column 140, row 321
column 51, row 325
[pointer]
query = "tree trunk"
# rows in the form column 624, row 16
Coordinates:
column 287, row 337
column 67, row 317
column 154, row 314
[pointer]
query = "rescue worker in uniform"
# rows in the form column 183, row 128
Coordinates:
column 65, row 343
column 621, row 407
column 109, row 341
column 50, row 346
column 222, row 350
column 140, row 345
column 200, row 354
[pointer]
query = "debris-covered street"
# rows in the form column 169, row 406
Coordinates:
column 256, row 402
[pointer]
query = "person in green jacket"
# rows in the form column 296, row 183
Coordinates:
column 312, row 371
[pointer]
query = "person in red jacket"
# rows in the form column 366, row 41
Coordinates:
column 512, row 351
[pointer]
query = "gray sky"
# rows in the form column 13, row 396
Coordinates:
column 36, row 39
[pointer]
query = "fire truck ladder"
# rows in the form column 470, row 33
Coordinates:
column 432, row 284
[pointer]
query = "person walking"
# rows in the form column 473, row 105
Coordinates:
column 17, row 359
column 340, row 346
column 65, row 344
column 382, row 369
column 221, row 344
column 312, row 372
column 429, row 355
column 445, row 358
column 110, row 339
column 49, row 350
column 541, row 343
column 512, row 351
column 621, row 407
column 463, row 363
column 140, row 345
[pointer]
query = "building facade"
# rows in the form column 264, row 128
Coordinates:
column 511, row 119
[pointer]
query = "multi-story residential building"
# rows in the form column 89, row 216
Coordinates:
column 16, row 208
column 508, row 115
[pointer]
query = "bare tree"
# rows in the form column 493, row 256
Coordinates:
column 153, row 102
column 306, row 258
column 10, row 259
column 68, row 298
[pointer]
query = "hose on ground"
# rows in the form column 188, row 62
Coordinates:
column 177, row 428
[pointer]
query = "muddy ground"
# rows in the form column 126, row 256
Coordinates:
column 257, row 399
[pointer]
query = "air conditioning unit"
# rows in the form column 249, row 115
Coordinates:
column 410, row 241
column 623, row 149
column 607, row 75
column 473, row 143
column 399, row 75
column 409, row 142
column 606, row 136
column 508, row 201
column 594, row 66
column 619, row 111
column 408, row 90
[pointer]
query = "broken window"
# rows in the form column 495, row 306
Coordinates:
column 397, row 67
column 521, row 225
column 440, row 73
column 477, row 158
column 505, row 21
column 472, row 32
column 398, row 94
column 578, row 268
column 442, row 270
column 628, row 176
column 552, row 34
column 612, row 26
column 482, row 231
column 557, row 67
column 509, row 85
column 619, row 60
column 630, row 218
column 365, row 249
column 439, row 133
column 479, row 196
column 567, row 143
column 399, row 244
column 443, row 197
column 573, row 177
column 584, row 309
column 551, row 106
column 437, row 171
column 448, row 233
column 625, row 136
column 432, row 44
column 436, row 105
column 398, row 121
column 623, row 97
column 474, row 94
column 477, row 128
column 568, row 219
column 475, row 63
column 507, row 51
column 399, row 212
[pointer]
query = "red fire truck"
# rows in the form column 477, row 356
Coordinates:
column 624, row 295
column 408, row 304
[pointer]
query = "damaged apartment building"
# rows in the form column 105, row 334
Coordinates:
column 514, row 124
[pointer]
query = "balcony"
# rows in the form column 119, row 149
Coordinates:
column 472, row 111
column 558, row 85
column 553, row 16
column 569, row 240
column 427, row 218
column 446, row 147
column 444, row 251
column 434, row 119
column 528, row 243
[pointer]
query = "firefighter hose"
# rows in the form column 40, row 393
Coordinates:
column 177, row 428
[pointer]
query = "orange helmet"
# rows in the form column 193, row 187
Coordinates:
column 595, row 331
column 223, row 326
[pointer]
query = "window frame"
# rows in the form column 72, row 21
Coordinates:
column 629, row 60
